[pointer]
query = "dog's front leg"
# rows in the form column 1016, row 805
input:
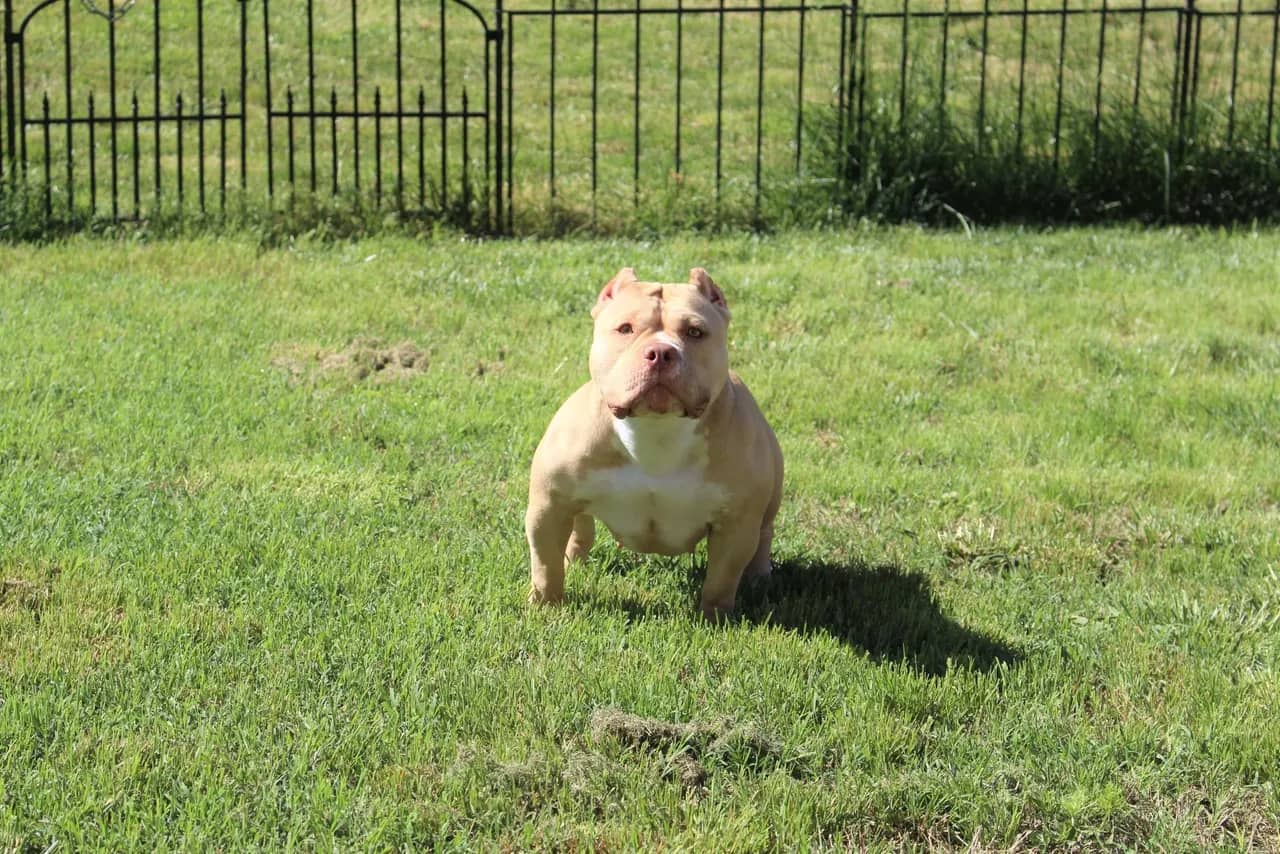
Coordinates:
column 547, row 525
column 729, row 550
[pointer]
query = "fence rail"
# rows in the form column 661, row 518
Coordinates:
column 581, row 113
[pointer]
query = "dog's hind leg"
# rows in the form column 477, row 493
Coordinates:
column 761, row 566
column 584, row 534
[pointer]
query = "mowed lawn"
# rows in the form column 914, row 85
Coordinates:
column 264, row 571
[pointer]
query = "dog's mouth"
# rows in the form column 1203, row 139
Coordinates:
column 656, row 399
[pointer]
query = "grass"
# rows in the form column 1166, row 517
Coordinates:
column 612, row 192
column 1124, row 170
column 263, row 586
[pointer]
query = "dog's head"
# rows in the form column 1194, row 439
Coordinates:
column 660, row 349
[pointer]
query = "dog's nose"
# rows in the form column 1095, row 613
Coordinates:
column 660, row 354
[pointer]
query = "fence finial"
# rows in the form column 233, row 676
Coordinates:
column 112, row 12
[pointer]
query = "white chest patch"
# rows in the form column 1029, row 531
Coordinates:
column 660, row 501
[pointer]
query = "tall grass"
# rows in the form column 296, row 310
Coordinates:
column 1135, row 168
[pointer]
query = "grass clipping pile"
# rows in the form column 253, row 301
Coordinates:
column 362, row 359
column 724, row 742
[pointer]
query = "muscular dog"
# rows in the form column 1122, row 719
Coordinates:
column 664, row 445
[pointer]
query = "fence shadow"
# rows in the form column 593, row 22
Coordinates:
column 890, row 613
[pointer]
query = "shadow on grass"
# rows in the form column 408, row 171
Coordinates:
column 888, row 612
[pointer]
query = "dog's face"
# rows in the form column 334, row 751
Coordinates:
column 660, row 349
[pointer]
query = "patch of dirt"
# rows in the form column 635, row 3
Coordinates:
column 1240, row 819
column 492, row 367
column 694, row 745
column 636, row 731
column 583, row 770
column 1116, row 535
column 532, row 783
column 687, row 755
column 30, row 592
column 20, row 593
column 828, row 439
column 689, row 771
column 363, row 358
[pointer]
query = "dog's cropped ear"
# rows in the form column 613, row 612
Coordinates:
column 698, row 278
column 625, row 276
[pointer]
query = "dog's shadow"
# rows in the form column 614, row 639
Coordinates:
column 886, row 611
column 890, row 613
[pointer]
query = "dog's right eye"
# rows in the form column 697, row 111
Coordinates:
column 625, row 329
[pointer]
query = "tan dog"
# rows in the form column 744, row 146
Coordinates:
column 664, row 445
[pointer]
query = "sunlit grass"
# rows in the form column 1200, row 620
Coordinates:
column 259, row 593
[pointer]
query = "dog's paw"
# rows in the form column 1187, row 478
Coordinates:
column 758, row 571
column 545, row 597
column 717, row 613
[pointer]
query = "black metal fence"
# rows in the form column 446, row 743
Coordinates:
column 129, row 110
column 580, row 112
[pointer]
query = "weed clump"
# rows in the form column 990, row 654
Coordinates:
column 979, row 545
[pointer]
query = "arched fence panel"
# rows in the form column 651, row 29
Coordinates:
column 132, row 109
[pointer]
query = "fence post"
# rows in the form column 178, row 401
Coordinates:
column 1188, row 15
column 11, row 144
column 845, row 86
column 851, row 82
column 496, row 35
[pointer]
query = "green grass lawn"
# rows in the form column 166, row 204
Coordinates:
column 259, row 593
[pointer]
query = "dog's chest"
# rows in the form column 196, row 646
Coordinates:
column 660, row 500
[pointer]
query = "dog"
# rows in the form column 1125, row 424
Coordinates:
column 664, row 445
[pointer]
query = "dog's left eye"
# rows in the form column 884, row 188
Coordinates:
column 694, row 332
